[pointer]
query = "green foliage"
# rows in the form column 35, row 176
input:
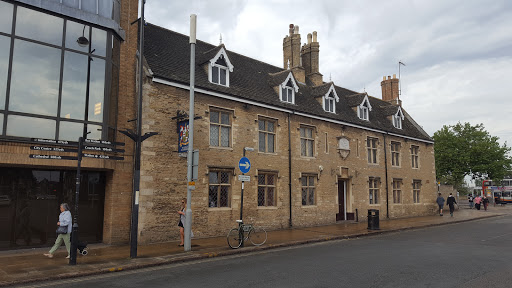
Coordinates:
column 463, row 149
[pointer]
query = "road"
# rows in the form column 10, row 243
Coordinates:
column 469, row 254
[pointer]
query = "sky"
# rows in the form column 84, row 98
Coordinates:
column 457, row 54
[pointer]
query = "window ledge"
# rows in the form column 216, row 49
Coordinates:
column 211, row 209
column 221, row 148
column 268, row 153
column 308, row 157
column 309, row 206
column 267, row 207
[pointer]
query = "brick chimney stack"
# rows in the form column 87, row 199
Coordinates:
column 390, row 89
column 291, row 53
column 310, row 54
column 291, row 48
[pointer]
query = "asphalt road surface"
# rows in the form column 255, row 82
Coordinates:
column 470, row 254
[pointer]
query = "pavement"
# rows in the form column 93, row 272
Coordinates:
column 29, row 265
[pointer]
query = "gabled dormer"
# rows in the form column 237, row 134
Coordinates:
column 329, row 99
column 363, row 110
column 219, row 68
column 287, row 89
column 397, row 118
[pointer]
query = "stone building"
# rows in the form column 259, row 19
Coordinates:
column 322, row 153
column 66, row 68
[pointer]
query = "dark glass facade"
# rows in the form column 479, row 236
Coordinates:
column 44, row 92
column 29, row 205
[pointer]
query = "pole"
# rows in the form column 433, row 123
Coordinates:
column 74, row 234
column 290, row 223
column 190, row 152
column 386, row 174
column 136, row 169
column 240, row 232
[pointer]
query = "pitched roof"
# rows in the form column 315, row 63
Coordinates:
column 168, row 55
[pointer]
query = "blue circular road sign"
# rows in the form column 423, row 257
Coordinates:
column 244, row 164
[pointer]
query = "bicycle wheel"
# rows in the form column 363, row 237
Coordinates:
column 234, row 240
column 257, row 236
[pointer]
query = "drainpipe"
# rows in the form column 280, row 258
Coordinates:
column 290, row 170
column 386, row 169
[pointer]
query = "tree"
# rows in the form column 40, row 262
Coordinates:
column 462, row 150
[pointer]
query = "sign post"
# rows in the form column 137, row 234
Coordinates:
column 244, row 165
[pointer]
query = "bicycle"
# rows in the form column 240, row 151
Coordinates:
column 237, row 236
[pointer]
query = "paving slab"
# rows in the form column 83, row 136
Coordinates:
column 29, row 265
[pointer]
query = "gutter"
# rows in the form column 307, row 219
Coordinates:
column 290, row 224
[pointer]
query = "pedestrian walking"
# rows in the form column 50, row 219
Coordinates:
column 64, row 230
column 451, row 203
column 486, row 202
column 440, row 202
column 470, row 200
column 478, row 201
column 181, row 212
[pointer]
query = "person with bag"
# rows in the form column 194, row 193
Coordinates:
column 485, row 202
column 63, row 230
column 451, row 203
column 470, row 200
column 440, row 202
column 478, row 200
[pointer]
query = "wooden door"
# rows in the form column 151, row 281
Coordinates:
column 341, row 201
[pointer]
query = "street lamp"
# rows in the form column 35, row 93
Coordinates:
column 82, row 42
column 138, row 138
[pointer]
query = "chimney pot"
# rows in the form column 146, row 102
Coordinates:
column 291, row 29
column 394, row 76
column 314, row 36
column 296, row 29
column 383, row 78
column 309, row 38
column 389, row 77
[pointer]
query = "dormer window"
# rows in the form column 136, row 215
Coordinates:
column 220, row 72
column 397, row 119
column 329, row 104
column 363, row 110
column 219, row 68
column 287, row 90
column 287, row 93
column 329, row 100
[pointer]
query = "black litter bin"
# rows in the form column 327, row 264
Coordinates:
column 373, row 219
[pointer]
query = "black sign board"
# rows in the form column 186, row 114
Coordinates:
column 53, row 157
column 53, row 149
column 106, row 157
column 91, row 142
column 102, row 149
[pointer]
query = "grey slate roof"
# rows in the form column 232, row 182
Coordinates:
column 168, row 55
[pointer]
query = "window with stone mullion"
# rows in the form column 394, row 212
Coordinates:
column 373, row 191
column 308, row 190
column 266, row 189
column 266, row 139
column 414, row 156
column 416, row 191
column 371, row 144
column 395, row 154
column 306, row 142
column 219, row 189
column 397, row 191
column 220, row 129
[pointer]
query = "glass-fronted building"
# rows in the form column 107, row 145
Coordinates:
column 59, row 80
